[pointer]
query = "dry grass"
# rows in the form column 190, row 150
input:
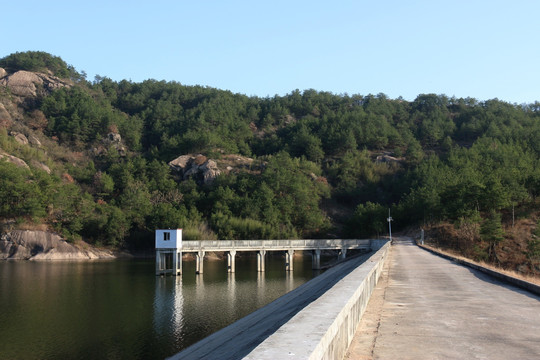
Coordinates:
column 27, row 225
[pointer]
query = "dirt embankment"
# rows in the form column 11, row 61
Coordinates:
column 43, row 245
column 511, row 253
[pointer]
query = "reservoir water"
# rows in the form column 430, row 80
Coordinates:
column 120, row 310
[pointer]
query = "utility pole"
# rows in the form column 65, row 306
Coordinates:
column 389, row 224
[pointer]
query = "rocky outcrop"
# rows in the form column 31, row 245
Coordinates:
column 20, row 138
column 180, row 163
column 112, row 140
column 387, row 158
column 197, row 167
column 28, row 84
column 5, row 117
column 41, row 166
column 32, row 139
column 14, row 160
column 43, row 245
column 3, row 73
column 204, row 170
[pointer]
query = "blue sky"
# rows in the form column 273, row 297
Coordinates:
column 482, row 49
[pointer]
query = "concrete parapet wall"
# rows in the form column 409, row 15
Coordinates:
column 325, row 328
column 376, row 244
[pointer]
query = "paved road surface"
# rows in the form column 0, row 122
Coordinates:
column 432, row 308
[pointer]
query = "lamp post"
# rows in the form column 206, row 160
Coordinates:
column 389, row 224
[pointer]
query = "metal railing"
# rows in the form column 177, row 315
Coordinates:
column 254, row 245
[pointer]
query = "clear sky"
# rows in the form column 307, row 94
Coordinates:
column 482, row 49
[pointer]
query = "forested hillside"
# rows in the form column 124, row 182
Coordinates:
column 324, row 165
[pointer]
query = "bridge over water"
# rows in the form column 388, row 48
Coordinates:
column 231, row 247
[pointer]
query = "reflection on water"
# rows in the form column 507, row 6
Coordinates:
column 168, row 307
column 120, row 309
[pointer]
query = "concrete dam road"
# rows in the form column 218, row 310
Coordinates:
column 432, row 308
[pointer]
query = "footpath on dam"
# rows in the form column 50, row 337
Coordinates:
column 428, row 307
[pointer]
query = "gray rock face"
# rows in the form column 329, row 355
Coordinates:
column 42, row 245
column 181, row 162
column 386, row 158
column 41, row 166
column 20, row 138
column 32, row 139
column 113, row 140
column 5, row 117
column 198, row 167
column 26, row 83
column 14, row 160
column 209, row 171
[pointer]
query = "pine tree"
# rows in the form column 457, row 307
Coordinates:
column 492, row 232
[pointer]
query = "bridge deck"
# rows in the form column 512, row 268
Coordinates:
column 274, row 245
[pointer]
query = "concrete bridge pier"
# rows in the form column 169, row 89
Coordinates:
column 168, row 261
column 231, row 261
column 316, row 262
column 342, row 254
column 289, row 255
column 159, row 262
column 177, row 262
column 260, row 260
column 199, row 262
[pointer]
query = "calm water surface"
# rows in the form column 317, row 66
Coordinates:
column 121, row 310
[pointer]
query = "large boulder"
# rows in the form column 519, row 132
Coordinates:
column 112, row 140
column 26, row 83
column 5, row 118
column 22, row 83
column 209, row 170
column 41, row 166
column 32, row 139
column 197, row 167
column 20, row 138
column 204, row 170
column 3, row 73
column 43, row 245
column 14, row 160
column 180, row 163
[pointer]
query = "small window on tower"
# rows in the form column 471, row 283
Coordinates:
column 166, row 236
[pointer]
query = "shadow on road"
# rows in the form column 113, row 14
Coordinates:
column 490, row 279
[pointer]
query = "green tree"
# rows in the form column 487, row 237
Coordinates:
column 135, row 202
column 491, row 231
column 368, row 219
column 39, row 61
column 20, row 195
column 296, row 192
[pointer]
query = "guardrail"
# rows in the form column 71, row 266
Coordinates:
column 254, row 245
